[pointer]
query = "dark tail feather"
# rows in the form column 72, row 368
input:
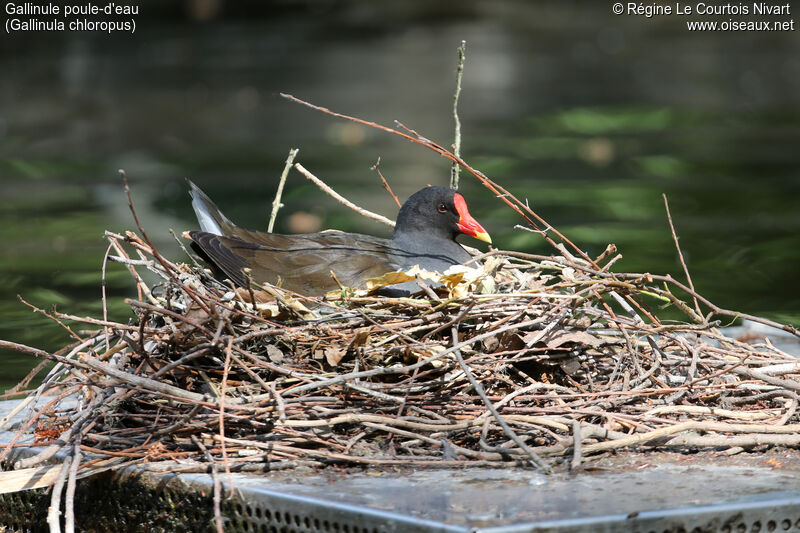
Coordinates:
column 208, row 214
column 215, row 253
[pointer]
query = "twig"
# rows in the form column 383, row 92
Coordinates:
column 576, row 446
column 54, row 511
column 276, row 203
column 520, row 207
column 385, row 183
column 69, row 499
column 217, row 485
column 535, row 459
column 157, row 255
column 342, row 200
column 454, row 170
column 680, row 254
column 225, row 370
column 715, row 309
column 103, row 293
column 51, row 317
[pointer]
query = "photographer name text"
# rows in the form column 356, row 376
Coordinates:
column 701, row 8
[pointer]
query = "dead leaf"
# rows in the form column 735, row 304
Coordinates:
column 259, row 295
column 274, row 353
column 568, row 274
column 390, row 278
column 194, row 315
column 460, row 280
column 570, row 367
column 333, row 355
column 510, row 341
column 360, row 338
column 491, row 344
column 562, row 337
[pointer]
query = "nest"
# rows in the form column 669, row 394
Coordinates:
column 523, row 360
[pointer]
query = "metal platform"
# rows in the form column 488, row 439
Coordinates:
column 648, row 499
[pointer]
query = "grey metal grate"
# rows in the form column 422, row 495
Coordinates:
column 148, row 503
column 681, row 499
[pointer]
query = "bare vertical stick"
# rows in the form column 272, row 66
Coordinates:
column 480, row 391
column 385, row 183
column 106, row 329
column 276, row 203
column 680, row 255
column 54, row 511
column 457, row 143
column 226, row 368
column 69, row 499
column 577, row 453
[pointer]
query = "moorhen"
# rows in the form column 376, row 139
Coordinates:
column 424, row 235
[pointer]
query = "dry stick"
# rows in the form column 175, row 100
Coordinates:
column 225, row 369
column 754, row 374
column 54, row 512
column 190, row 293
column 139, row 381
column 217, row 484
column 276, row 203
column 733, row 441
column 341, row 199
column 69, row 499
column 715, row 309
column 680, row 254
column 576, row 447
column 385, row 183
column 457, row 142
column 535, row 459
column 17, row 389
column 51, row 317
column 103, row 293
column 141, row 289
column 356, row 418
column 279, row 404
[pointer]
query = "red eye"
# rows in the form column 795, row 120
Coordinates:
column 442, row 208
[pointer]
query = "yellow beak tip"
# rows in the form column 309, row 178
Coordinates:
column 483, row 236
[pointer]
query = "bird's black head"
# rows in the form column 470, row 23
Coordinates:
column 438, row 212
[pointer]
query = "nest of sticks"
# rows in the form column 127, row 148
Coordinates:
column 520, row 361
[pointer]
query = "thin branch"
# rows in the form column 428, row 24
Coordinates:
column 157, row 255
column 680, row 255
column 535, row 459
column 454, row 171
column 385, row 183
column 341, row 199
column 276, row 203
column 54, row 511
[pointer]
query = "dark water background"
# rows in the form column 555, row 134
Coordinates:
column 589, row 115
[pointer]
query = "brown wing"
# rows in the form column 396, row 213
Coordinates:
column 302, row 263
